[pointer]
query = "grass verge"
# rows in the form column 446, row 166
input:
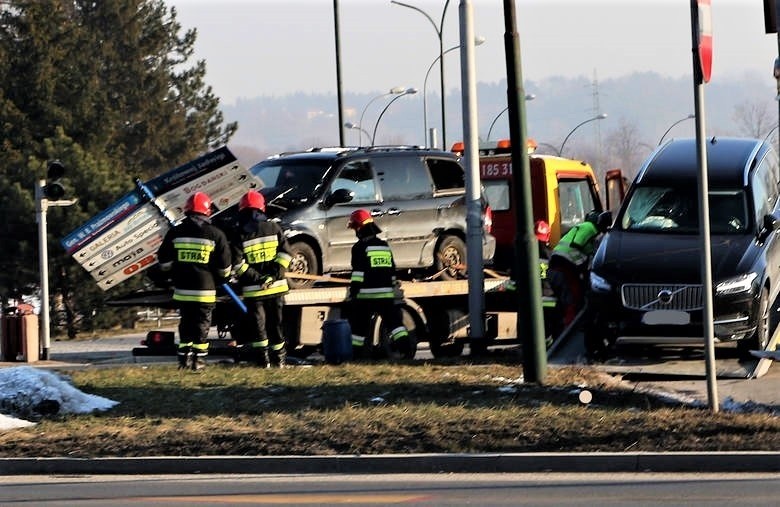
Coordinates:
column 415, row 407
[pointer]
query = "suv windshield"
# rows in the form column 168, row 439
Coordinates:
column 292, row 180
column 675, row 210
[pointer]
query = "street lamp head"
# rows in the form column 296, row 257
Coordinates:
column 530, row 96
column 410, row 91
column 601, row 116
column 397, row 89
column 350, row 125
column 479, row 40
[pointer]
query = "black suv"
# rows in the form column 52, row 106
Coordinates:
column 645, row 282
column 416, row 196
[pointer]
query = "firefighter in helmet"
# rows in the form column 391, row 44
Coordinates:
column 197, row 254
column 569, row 262
column 372, row 287
column 260, row 260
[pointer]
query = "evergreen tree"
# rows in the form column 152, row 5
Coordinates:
column 109, row 89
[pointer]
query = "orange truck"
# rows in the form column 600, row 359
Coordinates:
column 563, row 192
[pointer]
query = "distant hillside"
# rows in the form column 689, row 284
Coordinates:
column 645, row 103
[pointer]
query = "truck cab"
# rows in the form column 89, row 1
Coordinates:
column 563, row 192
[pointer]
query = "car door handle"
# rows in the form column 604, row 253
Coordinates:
column 394, row 211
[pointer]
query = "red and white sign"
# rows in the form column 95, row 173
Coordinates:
column 705, row 39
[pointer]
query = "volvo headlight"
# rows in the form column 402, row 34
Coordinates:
column 599, row 284
column 737, row 284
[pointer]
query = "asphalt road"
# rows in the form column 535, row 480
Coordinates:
column 637, row 489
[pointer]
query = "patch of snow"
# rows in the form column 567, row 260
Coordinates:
column 26, row 391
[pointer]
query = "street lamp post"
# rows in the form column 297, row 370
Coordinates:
column 477, row 42
column 408, row 91
column 599, row 117
column 438, row 28
column 361, row 131
column 673, row 125
column 393, row 91
column 528, row 97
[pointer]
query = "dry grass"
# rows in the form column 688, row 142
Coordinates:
column 376, row 408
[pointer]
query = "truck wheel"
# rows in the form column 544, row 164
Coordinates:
column 760, row 338
column 451, row 258
column 380, row 339
column 304, row 261
column 443, row 328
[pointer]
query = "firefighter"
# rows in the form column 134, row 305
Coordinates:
column 197, row 254
column 260, row 259
column 568, row 267
column 372, row 288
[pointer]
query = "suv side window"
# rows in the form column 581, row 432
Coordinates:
column 402, row 178
column 447, row 175
column 357, row 177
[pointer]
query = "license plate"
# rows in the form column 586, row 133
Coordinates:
column 666, row 317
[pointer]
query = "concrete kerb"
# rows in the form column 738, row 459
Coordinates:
column 412, row 463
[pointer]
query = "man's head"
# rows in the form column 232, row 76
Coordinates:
column 198, row 203
column 252, row 200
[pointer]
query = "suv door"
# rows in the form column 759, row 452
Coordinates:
column 409, row 212
column 356, row 176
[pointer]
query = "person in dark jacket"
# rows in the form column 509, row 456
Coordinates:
column 568, row 266
column 260, row 260
column 372, row 288
column 197, row 254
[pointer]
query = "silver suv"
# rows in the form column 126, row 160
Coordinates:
column 416, row 196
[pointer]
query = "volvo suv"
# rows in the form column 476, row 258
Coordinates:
column 416, row 196
column 645, row 282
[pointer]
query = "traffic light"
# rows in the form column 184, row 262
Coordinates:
column 53, row 189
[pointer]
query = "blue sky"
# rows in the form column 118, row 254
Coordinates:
column 277, row 47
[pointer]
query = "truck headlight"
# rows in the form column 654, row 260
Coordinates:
column 599, row 284
column 737, row 284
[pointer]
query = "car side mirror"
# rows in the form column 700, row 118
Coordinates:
column 769, row 225
column 339, row 196
column 604, row 221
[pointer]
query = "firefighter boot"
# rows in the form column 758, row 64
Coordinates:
column 199, row 360
column 260, row 357
column 199, row 353
column 185, row 356
column 279, row 358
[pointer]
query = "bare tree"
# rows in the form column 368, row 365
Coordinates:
column 754, row 118
column 623, row 149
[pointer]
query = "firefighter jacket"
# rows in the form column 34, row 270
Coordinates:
column 373, row 269
column 198, row 255
column 261, row 256
column 578, row 244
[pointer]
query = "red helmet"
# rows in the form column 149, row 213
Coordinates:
column 359, row 218
column 198, row 202
column 542, row 230
column 252, row 199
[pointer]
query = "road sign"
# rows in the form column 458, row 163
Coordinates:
column 704, row 19
column 123, row 240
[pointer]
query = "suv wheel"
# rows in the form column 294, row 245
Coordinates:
column 304, row 262
column 451, row 258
